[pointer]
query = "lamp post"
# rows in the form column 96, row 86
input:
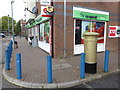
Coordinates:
column 64, row 28
column 12, row 20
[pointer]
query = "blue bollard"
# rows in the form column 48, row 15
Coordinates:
column 106, row 60
column 10, row 49
column 11, row 46
column 9, row 52
column 18, row 66
column 7, row 59
column 11, row 41
column 82, row 66
column 49, row 69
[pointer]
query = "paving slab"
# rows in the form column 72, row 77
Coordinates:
column 66, row 71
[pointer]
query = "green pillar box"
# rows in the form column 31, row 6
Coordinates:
column 90, row 49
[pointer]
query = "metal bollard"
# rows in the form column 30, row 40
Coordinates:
column 9, row 52
column 11, row 46
column 106, row 60
column 18, row 66
column 10, row 49
column 82, row 66
column 7, row 59
column 49, row 69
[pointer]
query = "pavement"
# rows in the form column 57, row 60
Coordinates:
column 65, row 70
column 3, row 44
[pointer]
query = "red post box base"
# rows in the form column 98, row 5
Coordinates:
column 90, row 68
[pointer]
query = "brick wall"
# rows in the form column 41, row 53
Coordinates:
column 58, row 25
column 23, row 28
column 111, row 43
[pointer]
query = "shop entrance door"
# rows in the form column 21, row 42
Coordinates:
column 81, row 26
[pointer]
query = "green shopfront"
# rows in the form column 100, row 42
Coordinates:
column 44, row 33
column 89, row 20
column 41, row 30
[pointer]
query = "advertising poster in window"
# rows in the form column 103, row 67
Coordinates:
column 45, row 32
column 42, row 32
column 96, row 27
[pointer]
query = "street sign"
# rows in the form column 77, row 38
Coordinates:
column 114, row 31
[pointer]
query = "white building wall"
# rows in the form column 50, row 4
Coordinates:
column 30, row 5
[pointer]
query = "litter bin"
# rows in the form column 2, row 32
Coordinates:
column 90, row 49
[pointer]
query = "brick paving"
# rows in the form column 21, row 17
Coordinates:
column 64, row 70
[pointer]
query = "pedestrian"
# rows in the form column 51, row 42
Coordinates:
column 31, row 39
column 15, row 44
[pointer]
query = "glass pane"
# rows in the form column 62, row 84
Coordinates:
column 42, row 32
column 96, row 27
column 78, row 32
column 99, row 28
column 47, row 32
column 86, row 25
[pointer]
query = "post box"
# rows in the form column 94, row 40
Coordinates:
column 90, row 49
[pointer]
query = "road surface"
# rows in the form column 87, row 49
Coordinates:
column 110, row 81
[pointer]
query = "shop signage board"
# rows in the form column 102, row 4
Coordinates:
column 31, row 24
column 27, row 26
column 41, row 19
column 44, row 11
column 114, row 31
column 45, row 2
column 50, row 9
column 90, row 14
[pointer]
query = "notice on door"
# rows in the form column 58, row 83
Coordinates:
column 113, row 31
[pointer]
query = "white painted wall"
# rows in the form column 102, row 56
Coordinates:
column 30, row 5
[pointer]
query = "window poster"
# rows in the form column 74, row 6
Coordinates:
column 78, row 32
column 90, row 26
column 45, row 32
column 42, row 32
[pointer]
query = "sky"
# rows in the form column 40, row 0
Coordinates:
column 18, row 9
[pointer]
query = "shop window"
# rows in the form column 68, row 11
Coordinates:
column 45, row 32
column 78, row 32
column 42, row 32
column 82, row 26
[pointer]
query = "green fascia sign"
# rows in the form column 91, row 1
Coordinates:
column 27, row 26
column 31, row 24
column 37, row 21
column 90, row 16
column 41, row 19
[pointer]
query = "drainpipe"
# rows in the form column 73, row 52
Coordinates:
column 64, row 28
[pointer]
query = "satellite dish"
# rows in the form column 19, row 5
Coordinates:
column 34, row 10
